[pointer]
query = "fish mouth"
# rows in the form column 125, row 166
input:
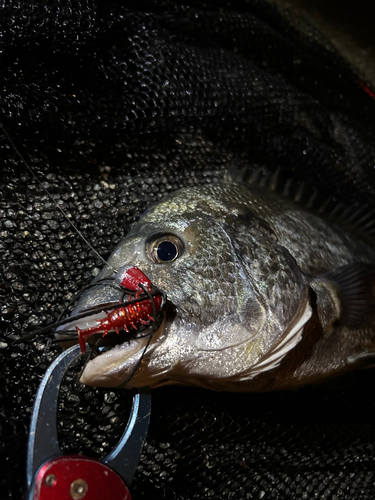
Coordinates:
column 117, row 360
column 115, row 356
column 100, row 344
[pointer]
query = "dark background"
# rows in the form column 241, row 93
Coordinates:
column 114, row 106
column 346, row 24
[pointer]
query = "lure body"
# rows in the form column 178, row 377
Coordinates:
column 123, row 318
column 128, row 316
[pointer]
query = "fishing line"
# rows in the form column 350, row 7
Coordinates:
column 105, row 281
column 150, row 295
column 85, row 314
column 52, row 198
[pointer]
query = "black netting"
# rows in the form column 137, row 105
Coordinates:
column 114, row 106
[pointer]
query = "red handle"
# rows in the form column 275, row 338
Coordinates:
column 73, row 477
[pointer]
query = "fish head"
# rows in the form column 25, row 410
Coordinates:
column 232, row 293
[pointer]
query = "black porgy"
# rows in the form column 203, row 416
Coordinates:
column 263, row 294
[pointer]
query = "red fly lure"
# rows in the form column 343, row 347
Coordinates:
column 132, row 315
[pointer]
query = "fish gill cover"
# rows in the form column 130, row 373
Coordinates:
column 115, row 106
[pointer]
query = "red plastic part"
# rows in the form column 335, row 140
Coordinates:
column 73, row 477
column 132, row 277
column 367, row 89
column 131, row 316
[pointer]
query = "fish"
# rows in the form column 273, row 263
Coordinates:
column 263, row 292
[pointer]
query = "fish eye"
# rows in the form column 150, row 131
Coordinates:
column 163, row 248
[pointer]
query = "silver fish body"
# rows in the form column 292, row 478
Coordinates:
column 259, row 293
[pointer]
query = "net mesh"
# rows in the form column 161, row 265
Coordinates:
column 114, row 107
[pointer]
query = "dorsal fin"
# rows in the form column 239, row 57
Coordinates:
column 360, row 219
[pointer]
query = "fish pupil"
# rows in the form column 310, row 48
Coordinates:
column 167, row 251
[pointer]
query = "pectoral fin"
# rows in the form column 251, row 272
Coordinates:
column 347, row 295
